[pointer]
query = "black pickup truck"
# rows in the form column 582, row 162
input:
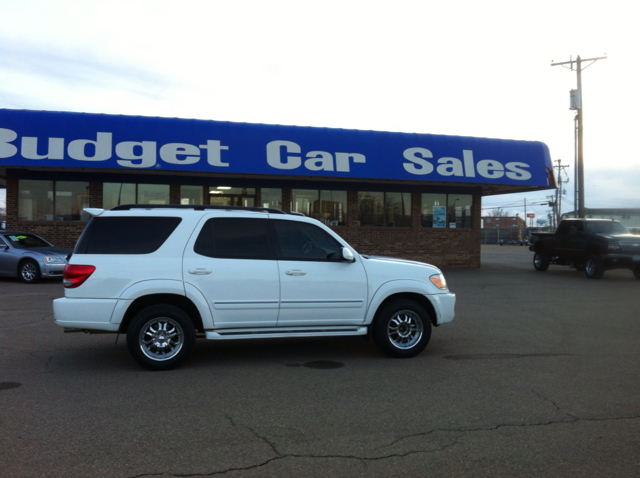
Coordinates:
column 589, row 245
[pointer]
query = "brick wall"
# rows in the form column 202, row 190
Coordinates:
column 441, row 247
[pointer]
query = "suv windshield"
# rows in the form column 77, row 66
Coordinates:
column 25, row 241
column 606, row 227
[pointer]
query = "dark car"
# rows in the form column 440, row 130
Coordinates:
column 29, row 257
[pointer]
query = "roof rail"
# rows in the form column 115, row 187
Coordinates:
column 195, row 207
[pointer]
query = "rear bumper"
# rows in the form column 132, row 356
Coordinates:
column 85, row 314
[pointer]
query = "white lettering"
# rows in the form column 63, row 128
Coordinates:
column 517, row 172
column 213, row 153
column 6, row 136
column 29, row 148
column 450, row 167
column 319, row 161
column 169, row 153
column 468, row 163
column 418, row 164
column 490, row 168
column 274, row 159
column 101, row 148
column 126, row 151
column 342, row 160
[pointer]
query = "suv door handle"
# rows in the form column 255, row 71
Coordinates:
column 199, row 272
column 295, row 272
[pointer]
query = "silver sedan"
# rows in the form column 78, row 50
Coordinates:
column 29, row 257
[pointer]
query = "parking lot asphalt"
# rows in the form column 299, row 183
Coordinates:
column 538, row 375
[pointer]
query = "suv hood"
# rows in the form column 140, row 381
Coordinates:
column 398, row 261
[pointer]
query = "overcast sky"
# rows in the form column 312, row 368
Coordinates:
column 465, row 68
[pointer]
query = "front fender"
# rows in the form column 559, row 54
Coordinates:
column 402, row 286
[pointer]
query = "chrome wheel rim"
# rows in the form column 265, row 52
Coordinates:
column 590, row 267
column 537, row 260
column 405, row 329
column 29, row 271
column 161, row 339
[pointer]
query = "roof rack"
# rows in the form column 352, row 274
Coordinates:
column 199, row 207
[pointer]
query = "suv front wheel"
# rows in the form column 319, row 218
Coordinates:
column 161, row 337
column 402, row 328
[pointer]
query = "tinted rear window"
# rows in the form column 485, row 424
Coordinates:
column 125, row 235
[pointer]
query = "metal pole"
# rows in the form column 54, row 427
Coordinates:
column 580, row 140
column 580, row 209
column 575, row 166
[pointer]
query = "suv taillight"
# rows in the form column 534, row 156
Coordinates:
column 75, row 275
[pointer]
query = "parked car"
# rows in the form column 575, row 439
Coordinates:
column 163, row 275
column 29, row 257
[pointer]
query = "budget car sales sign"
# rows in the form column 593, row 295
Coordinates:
column 82, row 140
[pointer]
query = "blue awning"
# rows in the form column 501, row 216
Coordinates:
column 82, row 140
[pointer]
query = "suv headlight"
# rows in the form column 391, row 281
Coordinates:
column 54, row 259
column 439, row 281
column 613, row 246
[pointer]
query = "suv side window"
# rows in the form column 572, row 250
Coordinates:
column 234, row 238
column 125, row 235
column 305, row 242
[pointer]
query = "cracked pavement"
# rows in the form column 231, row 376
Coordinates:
column 538, row 375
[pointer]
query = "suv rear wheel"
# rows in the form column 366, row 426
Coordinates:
column 402, row 328
column 161, row 337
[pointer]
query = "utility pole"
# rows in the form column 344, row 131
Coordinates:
column 560, row 168
column 578, row 105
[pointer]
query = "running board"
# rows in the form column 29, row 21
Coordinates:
column 282, row 332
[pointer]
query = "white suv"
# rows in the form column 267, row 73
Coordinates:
column 166, row 275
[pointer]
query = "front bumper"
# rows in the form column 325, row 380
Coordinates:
column 51, row 271
column 444, row 305
column 620, row 261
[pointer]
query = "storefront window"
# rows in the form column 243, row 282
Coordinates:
column 447, row 211
column 153, row 194
column 271, row 197
column 460, row 210
column 329, row 207
column 115, row 194
column 434, row 210
column 384, row 209
column 228, row 196
column 191, row 195
column 52, row 200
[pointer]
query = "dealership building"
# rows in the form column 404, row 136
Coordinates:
column 416, row 196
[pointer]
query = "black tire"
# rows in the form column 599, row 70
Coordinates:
column 401, row 328
column 594, row 268
column 161, row 337
column 636, row 272
column 541, row 261
column 29, row 271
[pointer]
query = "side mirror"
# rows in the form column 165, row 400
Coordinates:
column 4, row 246
column 347, row 255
